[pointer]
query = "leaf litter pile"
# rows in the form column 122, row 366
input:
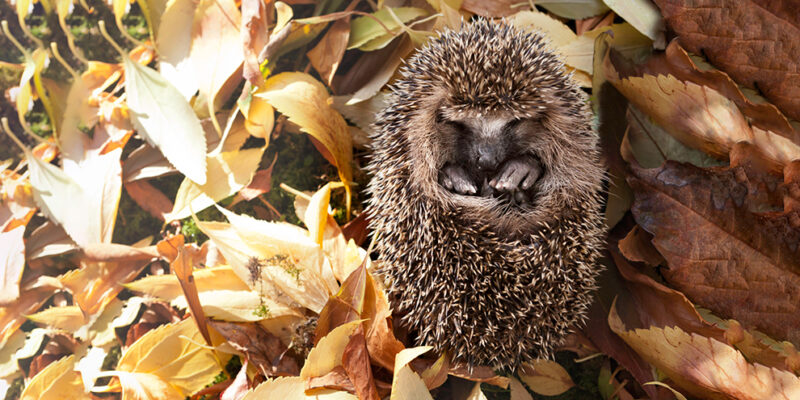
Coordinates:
column 193, row 114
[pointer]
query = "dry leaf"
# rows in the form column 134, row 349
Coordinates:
column 227, row 173
column 547, row 378
column 327, row 54
column 171, row 356
column 293, row 388
column 407, row 385
column 736, row 42
column 254, row 36
column 58, row 380
column 262, row 349
column 737, row 263
column 705, row 367
column 328, row 352
column 306, row 102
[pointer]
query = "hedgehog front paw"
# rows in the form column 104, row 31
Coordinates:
column 517, row 175
column 456, row 179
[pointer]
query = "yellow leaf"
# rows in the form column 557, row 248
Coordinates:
column 227, row 173
column 546, row 377
column 68, row 318
column 174, row 44
column 166, row 287
column 327, row 354
column 407, row 385
column 705, row 367
column 291, row 263
column 259, row 117
column 57, row 381
column 238, row 305
column 138, row 386
column 306, row 102
column 292, row 388
column 316, row 215
column 9, row 368
column 366, row 33
column 173, row 353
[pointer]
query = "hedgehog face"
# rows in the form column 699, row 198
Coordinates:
column 497, row 127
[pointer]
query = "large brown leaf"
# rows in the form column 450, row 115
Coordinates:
column 755, row 41
column 702, row 109
column 722, row 254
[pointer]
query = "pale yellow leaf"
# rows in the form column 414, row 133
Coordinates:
column 327, row 354
column 259, row 117
column 174, row 44
column 238, row 305
column 546, row 377
column 292, row 388
column 217, row 52
column 166, row 287
column 627, row 40
column 175, row 354
column 8, row 360
column 284, row 14
column 307, row 103
column 139, row 386
column 57, row 381
column 316, row 215
column 407, row 385
column 227, row 173
column 68, row 318
column 643, row 15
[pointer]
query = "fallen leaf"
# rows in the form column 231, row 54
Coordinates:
column 355, row 361
column 326, row 56
column 30, row 300
column 547, row 378
column 217, row 53
column 254, row 36
column 518, row 391
column 12, row 260
column 406, row 384
column 227, row 173
column 58, row 380
column 174, row 44
column 163, row 116
column 701, row 224
column 328, row 352
column 735, row 43
column 170, row 356
column 293, row 388
column 368, row 34
column 149, row 198
column 643, row 15
column 68, row 318
column 705, row 367
column 262, row 349
column 306, row 102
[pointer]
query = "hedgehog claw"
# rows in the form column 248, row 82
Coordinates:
column 455, row 179
column 517, row 173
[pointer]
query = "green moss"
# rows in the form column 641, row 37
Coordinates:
column 15, row 390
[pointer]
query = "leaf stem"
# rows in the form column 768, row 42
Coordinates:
column 104, row 32
column 57, row 55
column 11, row 134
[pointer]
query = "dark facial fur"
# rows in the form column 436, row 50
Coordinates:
column 486, row 195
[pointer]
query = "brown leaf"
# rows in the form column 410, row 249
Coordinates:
column 149, row 198
column 182, row 267
column 261, row 184
column 479, row 374
column 636, row 246
column 356, row 229
column 345, row 306
column 383, row 346
column 738, row 263
column 337, row 379
column 13, row 316
column 261, row 348
column 706, row 367
column 97, row 283
column 703, row 110
column 490, row 9
column 355, row 361
column 741, row 37
column 326, row 56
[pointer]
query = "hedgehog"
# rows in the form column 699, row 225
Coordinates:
column 485, row 197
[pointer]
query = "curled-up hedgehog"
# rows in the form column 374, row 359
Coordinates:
column 486, row 191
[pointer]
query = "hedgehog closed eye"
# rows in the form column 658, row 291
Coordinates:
column 494, row 205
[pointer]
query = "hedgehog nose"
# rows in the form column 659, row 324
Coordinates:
column 487, row 160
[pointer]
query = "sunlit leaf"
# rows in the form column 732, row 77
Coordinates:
column 58, row 380
column 328, row 353
column 227, row 173
column 366, row 32
column 546, row 377
column 407, row 385
column 293, row 388
column 163, row 116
